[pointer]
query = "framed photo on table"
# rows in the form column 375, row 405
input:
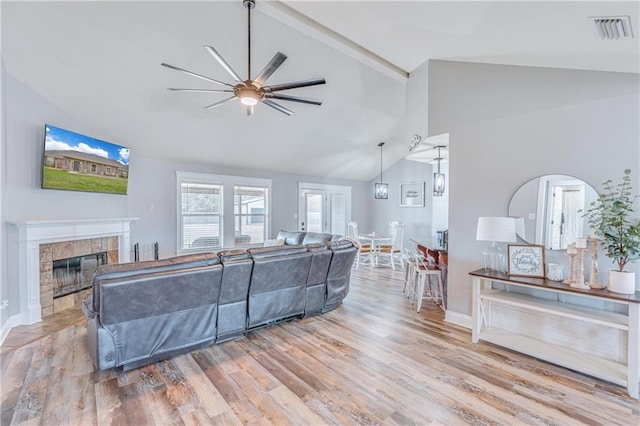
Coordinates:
column 412, row 194
column 526, row 260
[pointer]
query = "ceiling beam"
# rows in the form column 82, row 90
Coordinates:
column 289, row 16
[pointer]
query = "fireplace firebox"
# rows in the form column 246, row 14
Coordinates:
column 75, row 273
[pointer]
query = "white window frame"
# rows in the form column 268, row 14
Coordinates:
column 264, row 215
column 227, row 224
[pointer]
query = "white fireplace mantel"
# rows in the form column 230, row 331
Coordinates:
column 26, row 237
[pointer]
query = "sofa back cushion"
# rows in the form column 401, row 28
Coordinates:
column 125, row 270
column 316, row 237
column 292, row 238
column 234, row 254
column 278, row 283
column 339, row 274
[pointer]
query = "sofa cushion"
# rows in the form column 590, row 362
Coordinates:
column 292, row 238
column 274, row 242
column 231, row 255
column 264, row 252
column 316, row 237
column 119, row 270
column 125, row 270
column 341, row 244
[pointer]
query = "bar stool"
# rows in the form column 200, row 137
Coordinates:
column 425, row 288
column 410, row 271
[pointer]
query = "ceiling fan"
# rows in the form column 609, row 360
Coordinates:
column 252, row 91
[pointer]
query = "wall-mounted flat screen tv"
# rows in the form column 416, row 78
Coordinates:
column 76, row 162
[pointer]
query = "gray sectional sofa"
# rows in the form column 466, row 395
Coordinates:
column 143, row 312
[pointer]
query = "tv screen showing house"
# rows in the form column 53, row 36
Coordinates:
column 76, row 162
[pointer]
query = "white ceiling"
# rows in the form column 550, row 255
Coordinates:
column 100, row 62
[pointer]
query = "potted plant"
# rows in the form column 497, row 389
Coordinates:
column 611, row 218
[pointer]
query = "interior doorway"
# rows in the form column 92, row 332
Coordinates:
column 323, row 208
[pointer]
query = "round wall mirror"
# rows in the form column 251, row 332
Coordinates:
column 549, row 207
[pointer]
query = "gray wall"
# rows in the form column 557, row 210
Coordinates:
column 509, row 124
column 417, row 220
column 152, row 187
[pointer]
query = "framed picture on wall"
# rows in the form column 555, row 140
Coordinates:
column 525, row 260
column 412, row 194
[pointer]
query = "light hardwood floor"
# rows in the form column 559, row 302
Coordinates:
column 374, row 360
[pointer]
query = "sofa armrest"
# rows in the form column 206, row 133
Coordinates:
column 87, row 303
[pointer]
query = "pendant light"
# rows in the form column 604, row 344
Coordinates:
column 382, row 189
column 438, row 178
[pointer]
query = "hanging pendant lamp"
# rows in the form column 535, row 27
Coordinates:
column 382, row 189
column 438, row 178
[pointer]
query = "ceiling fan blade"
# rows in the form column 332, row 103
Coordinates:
column 249, row 110
column 199, row 90
column 224, row 101
column 196, row 75
column 271, row 67
column 293, row 99
column 278, row 107
column 224, row 63
column 294, row 85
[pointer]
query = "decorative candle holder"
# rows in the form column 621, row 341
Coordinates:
column 572, row 253
column 593, row 277
column 579, row 282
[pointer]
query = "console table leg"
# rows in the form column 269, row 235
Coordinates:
column 476, row 310
column 633, row 352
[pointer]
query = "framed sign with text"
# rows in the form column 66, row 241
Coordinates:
column 412, row 194
column 525, row 260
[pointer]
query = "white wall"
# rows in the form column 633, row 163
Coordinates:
column 4, row 290
column 509, row 124
column 152, row 187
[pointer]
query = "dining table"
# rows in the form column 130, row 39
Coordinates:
column 375, row 240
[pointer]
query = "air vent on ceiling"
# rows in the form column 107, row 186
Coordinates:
column 612, row 27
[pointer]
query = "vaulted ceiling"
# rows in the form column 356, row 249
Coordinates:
column 100, row 63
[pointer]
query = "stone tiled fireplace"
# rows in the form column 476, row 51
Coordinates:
column 35, row 244
column 62, row 287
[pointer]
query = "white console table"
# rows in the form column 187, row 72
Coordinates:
column 486, row 297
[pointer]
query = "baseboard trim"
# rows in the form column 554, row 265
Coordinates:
column 11, row 322
column 462, row 320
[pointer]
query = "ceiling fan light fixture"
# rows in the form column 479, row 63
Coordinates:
column 248, row 100
column 252, row 90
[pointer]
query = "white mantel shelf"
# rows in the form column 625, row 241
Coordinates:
column 25, row 238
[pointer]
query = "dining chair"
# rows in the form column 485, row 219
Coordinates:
column 393, row 250
column 364, row 250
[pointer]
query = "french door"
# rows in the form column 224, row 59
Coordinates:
column 323, row 208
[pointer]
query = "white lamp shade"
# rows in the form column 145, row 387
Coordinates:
column 520, row 227
column 495, row 228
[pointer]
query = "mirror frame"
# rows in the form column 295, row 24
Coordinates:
column 530, row 202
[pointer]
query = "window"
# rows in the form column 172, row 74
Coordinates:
column 94, row 168
column 249, row 208
column 220, row 211
column 201, row 215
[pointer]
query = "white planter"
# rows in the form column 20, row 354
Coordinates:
column 622, row 282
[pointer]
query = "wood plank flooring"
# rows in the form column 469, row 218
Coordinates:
column 374, row 360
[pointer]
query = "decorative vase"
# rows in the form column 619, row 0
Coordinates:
column 622, row 282
column 554, row 272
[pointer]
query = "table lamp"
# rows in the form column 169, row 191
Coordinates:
column 497, row 230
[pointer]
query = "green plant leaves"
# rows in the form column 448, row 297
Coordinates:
column 612, row 219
